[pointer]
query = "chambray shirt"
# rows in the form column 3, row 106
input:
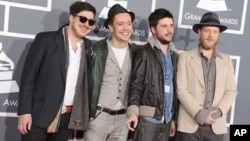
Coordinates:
column 168, row 75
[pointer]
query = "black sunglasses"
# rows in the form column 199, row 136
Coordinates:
column 83, row 19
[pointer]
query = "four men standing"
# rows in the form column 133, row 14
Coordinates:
column 69, row 84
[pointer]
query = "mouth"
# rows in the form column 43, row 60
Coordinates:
column 210, row 40
column 125, row 33
column 168, row 35
column 84, row 28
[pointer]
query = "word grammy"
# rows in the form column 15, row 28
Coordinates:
column 193, row 17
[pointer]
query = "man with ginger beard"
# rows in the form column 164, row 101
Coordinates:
column 54, row 93
column 111, row 70
column 152, row 103
column 206, row 86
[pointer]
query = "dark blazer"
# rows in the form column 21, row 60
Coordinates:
column 43, row 79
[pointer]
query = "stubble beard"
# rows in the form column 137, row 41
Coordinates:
column 205, row 46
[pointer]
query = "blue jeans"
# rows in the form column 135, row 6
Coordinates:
column 148, row 131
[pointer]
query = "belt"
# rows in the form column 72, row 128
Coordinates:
column 66, row 109
column 111, row 112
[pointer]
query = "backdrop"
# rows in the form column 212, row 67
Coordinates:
column 21, row 21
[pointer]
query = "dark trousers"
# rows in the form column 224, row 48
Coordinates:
column 40, row 134
column 147, row 131
column 204, row 133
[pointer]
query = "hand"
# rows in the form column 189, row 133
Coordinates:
column 24, row 123
column 172, row 129
column 210, row 120
column 132, row 120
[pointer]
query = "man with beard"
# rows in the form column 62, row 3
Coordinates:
column 152, row 101
column 206, row 86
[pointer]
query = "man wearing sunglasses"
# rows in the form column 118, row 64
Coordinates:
column 111, row 68
column 53, row 93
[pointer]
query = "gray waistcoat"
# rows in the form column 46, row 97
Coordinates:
column 114, row 85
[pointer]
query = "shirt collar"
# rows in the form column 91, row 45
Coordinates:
column 157, row 45
column 78, row 45
column 216, row 53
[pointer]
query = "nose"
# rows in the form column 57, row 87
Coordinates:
column 125, row 26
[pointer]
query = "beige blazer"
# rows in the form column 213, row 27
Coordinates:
column 191, row 90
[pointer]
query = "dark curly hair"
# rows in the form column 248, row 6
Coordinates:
column 79, row 6
column 158, row 14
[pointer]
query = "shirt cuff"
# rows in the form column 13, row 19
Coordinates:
column 202, row 115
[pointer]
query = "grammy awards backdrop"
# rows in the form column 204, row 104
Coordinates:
column 22, row 20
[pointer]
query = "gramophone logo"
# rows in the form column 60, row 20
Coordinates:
column 105, row 10
column 212, row 5
column 232, row 13
column 7, row 85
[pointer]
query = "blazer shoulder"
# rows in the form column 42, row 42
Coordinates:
column 43, row 38
column 192, row 53
column 226, row 58
column 100, row 45
column 224, row 55
column 46, row 34
column 144, row 50
column 88, row 42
